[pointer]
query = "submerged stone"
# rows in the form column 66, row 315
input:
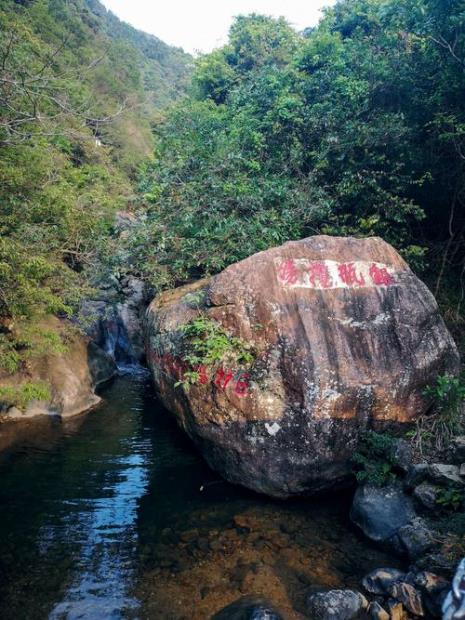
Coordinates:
column 336, row 605
column 248, row 608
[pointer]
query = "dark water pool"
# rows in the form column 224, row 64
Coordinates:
column 114, row 515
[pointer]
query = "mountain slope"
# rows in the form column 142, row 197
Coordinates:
column 79, row 95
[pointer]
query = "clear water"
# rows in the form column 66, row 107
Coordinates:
column 113, row 515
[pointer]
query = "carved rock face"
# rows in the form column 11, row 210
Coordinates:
column 345, row 337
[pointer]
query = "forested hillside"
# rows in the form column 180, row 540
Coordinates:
column 79, row 94
column 355, row 127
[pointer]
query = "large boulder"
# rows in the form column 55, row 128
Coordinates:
column 344, row 337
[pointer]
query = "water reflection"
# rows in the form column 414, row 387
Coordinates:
column 106, row 532
column 70, row 512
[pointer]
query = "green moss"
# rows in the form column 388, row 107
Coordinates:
column 21, row 395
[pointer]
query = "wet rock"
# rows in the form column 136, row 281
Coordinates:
column 445, row 474
column 337, row 326
column 249, row 522
column 381, row 579
column 72, row 376
column 396, row 610
column 102, row 367
column 381, row 511
column 189, row 536
column 409, row 596
column 434, row 589
column 426, row 495
column 430, row 582
column 414, row 539
column 336, row 605
column 115, row 322
column 376, row 612
column 248, row 608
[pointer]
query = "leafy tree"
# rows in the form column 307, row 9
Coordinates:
column 354, row 127
column 70, row 96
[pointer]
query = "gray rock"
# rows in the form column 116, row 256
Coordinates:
column 414, row 539
column 462, row 470
column 416, row 475
column 376, row 612
column 336, row 605
column 430, row 582
column 458, row 449
column 409, row 596
column 381, row 579
column 380, row 511
column 426, row 495
column 445, row 474
column 102, row 367
column 248, row 608
column 401, row 454
column 115, row 323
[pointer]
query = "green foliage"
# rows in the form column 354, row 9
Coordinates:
column 78, row 91
column 356, row 128
column 206, row 343
column 433, row 432
column 450, row 498
column 374, row 459
column 21, row 395
column 448, row 394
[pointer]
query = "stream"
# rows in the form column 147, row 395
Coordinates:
column 113, row 514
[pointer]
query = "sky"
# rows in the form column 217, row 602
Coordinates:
column 202, row 25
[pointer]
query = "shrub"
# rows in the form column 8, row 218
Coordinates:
column 374, row 459
column 206, row 343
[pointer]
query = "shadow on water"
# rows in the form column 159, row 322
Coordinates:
column 113, row 514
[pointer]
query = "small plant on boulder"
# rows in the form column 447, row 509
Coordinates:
column 450, row 498
column 206, row 344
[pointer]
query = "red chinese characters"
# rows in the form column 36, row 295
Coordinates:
column 222, row 378
column 318, row 275
column 203, row 376
column 241, row 384
column 288, row 272
column 380, row 275
column 176, row 367
column 348, row 275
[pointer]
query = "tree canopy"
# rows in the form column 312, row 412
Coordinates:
column 353, row 127
column 78, row 97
